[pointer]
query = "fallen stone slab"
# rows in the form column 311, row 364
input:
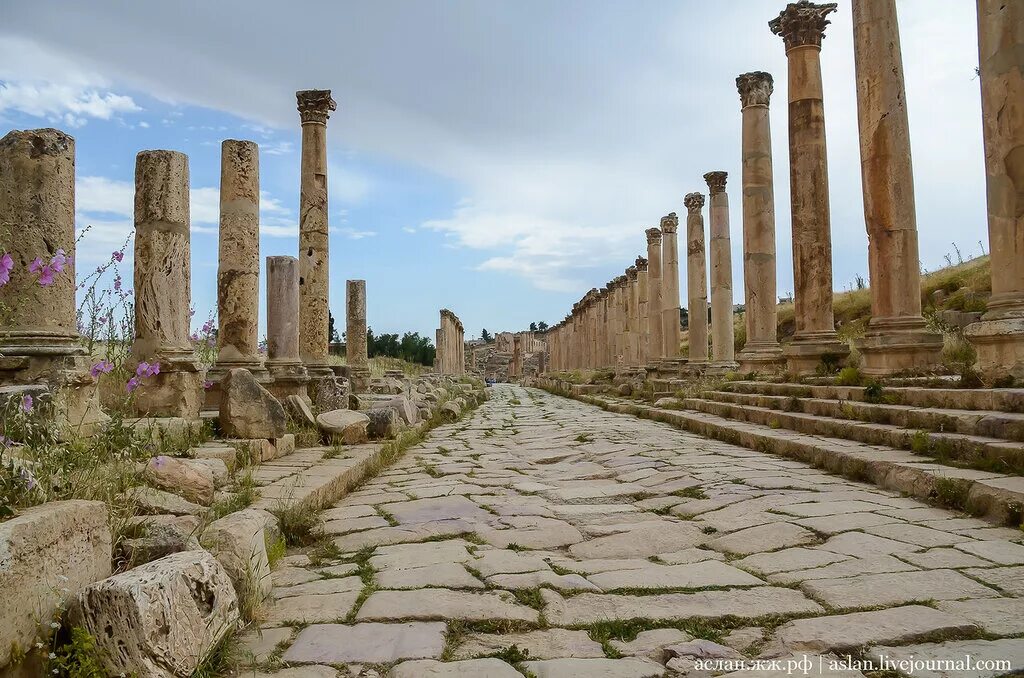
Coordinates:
column 299, row 410
column 247, row 410
column 477, row 668
column 239, row 543
column 444, row 604
column 186, row 478
column 631, row 667
column 48, row 554
column 160, row 619
column 370, row 643
column 151, row 501
column 158, row 540
column 348, row 426
column 847, row 632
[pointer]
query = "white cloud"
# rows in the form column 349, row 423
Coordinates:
column 347, row 185
column 277, row 148
column 355, row 234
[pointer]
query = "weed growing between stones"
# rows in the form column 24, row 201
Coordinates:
column 244, row 496
column 300, row 523
column 77, row 658
column 952, row 492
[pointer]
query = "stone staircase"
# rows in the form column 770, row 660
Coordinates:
column 960, row 448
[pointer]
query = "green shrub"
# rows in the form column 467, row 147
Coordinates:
column 849, row 376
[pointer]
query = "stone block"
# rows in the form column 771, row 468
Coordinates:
column 247, row 410
column 162, row 619
column 47, row 554
column 348, row 425
column 184, row 477
column 239, row 544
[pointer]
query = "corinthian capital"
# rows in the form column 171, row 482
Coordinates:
column 641, row 264
column 315, row 105
column 631, row 274
column 669, row 223
column 802, row 23
column 653, row 236
column 716, row 182
column 694, row 202
column 755, row 88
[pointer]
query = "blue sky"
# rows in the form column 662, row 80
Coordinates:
column 498, row 159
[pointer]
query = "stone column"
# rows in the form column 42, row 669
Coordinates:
column 163, row 270
column 517, row 354
column 39, row 342
column 355, row 335
column 39, row 332
column 896, row 338
column 601, row 328
column 670, row 330
column 654, row 295
column 802, row 27
column 620, row 321
column 722, row 331
column 696, row 279
column 999, row 337
column 287, row 373
column 238, row 269
column 629, row 319
column 315, row 107
column 643, row 311
column 761, row 350
column 439, row 350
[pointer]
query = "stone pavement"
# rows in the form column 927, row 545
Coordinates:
column 547, row 537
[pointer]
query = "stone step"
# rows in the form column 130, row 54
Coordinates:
column 307, row 479
column 970, row 451
column 985, row 423
column 998, row 399
column 996, row 497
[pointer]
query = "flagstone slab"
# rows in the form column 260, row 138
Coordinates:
column 839, row 633
column 944, row 557
column 434, row 509
column 763, row 538
column 651, row 644
column 320, row 587
column 532, row 532
column 1008, row 579
column 998, row 551
column 444, row 575
column 646, row 540
column 1002, row 616
column 405, row 556
column 544, row 644
column 1010, row 650
column 311, row 609
column 831, row 525
column 846, row 568
column 367, row 643
column 588, row 608
column 694, row 575
column 915, row 534
column 787, row 560
column 436, row 603
column 869, row 590
column 477, row 668
column 504, row 561
column 530, row 580
column 630, row 667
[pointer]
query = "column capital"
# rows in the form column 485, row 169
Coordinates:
column 641, row 264
column 669, row 223
column 755, row 88
column 716, row 182
column 631, row 274
column 620, row 281
column 802, row 24
column 653, row 236
column 315, row 105
column 694, row 202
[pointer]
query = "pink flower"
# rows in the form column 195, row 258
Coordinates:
column 59, row 261
column 46, row 277
column 146, row 370
column 6, row 266
column 102, row 367
column 26, row 403
column 36, row 265
column 132, row 384
column 117, row 256
column 207, row 385
column 117, row 283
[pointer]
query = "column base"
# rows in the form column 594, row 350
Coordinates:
column 31, row 357
column 1000, row 346
column 176, row 392
column 216, row 373
column 811, row 351
column 359, row 378
column 719, row 368
column 288, row 378
column 319, row 370
column 894, row 345
column 761, row 357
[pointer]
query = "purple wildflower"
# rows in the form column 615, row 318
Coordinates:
column 102, row 367
column 26, row 403
column 117, row 283
column 207, row 385
column 36, row 265
column 132, row 384
column 46, row 276
column 28, row 479
column 6, row 266
column 59, row 261
column 117, row 256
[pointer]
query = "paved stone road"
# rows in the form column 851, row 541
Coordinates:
column 545, row 524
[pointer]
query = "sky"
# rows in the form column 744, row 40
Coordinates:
column 495, row 158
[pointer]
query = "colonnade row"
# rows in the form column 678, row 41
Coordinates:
column 39, row 339
column 450, row 342
column 634, row 319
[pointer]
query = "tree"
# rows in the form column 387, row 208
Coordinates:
column 533, row 327
column 332, row 331
column 542, row 326
column 486, row 336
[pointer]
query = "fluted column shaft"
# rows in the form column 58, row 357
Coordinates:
column 670, row 330
column 655, row 300
column 722, row 342
column 643, row 311
column 315, row 107
column 696, row 278
column 761, row 348
column 999, row 338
